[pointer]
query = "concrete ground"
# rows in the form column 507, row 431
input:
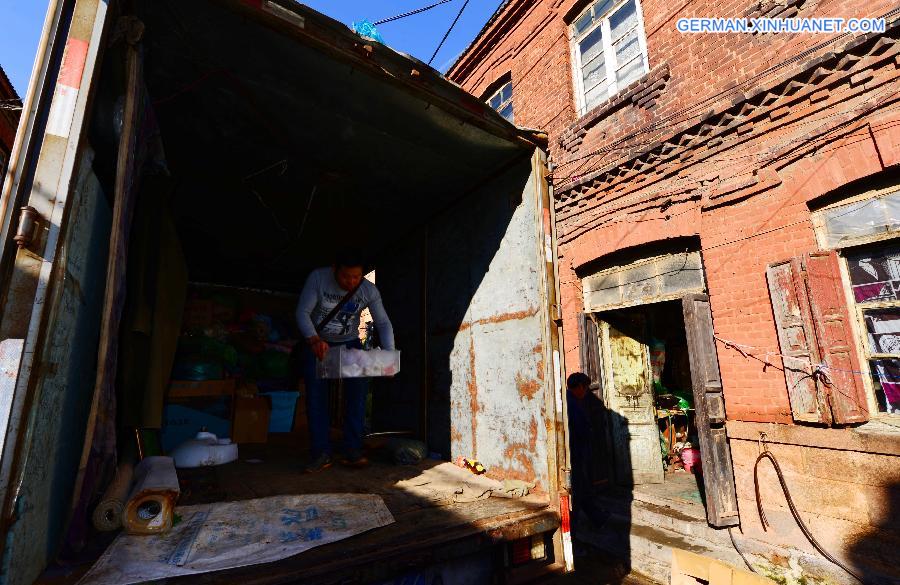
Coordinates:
column 598, row 569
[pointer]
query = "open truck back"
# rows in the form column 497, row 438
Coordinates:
column 253, row 138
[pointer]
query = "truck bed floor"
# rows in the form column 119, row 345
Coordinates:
column 433, row 523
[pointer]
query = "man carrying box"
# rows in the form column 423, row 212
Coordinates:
column 328, row 315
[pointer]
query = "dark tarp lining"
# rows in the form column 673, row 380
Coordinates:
column 282, row 153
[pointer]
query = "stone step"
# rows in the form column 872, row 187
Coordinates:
column 680, row 517
column 647, row 547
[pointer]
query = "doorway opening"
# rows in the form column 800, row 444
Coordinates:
column 652, row 444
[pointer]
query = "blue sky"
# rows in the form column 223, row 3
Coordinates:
column 417, row 35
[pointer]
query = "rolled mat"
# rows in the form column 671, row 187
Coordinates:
column 109, row 512
column 151, row 506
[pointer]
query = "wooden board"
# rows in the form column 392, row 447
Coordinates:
column 715, row 453
column 692, row 569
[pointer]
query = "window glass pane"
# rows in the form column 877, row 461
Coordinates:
column 594, row 72
column 595, row 96
column 883, row 328
column 502, row 100
column 630, row 72
column 623, row 20
column 681, row 272
column 627, row 48
column 640, row 281
column 591, row 45
column 864, row 218
column 507, row 112
column 886, row 381
column 591, row 16
column 506, row 93
column 875, row 275
column 584, row 22
column 892, row 209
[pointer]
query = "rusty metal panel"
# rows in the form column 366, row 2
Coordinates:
column 65, row 379
column 10, row 359
column 55, row 178
column 487, row 317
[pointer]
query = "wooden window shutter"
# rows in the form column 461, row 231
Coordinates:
column 796, row 338
column 589, row 351
column 718, row 477
column 843, row 384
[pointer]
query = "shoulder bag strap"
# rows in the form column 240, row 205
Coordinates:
column 337, row 308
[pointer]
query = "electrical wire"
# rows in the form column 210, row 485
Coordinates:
column 447, row 34
column 819, row 370
column 410, row 13
column 602, row 163
column 766, row 454
column 813, row 142
column 309, row 204
column 739, row 551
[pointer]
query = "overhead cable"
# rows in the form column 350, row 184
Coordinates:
column 447, row 34
column 410, row 13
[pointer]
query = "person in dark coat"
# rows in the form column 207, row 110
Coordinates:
column 581, row 451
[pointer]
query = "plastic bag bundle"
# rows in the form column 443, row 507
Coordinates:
column 365, row 28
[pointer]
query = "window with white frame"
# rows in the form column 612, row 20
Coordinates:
column 866, row 230
column 501, row 101
column 609, row 50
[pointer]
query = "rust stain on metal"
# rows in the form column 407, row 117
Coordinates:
column 473, row 396
column 539, row 349
column 501, row 318
column 527, row 388
column 506, row 472
column 519, row 452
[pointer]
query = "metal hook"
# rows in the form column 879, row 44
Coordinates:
column 762, row 443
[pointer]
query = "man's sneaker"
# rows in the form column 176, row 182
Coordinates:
column 354, row 459
column 320, row 463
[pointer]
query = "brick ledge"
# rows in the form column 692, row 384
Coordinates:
column 642, row 93
column 875, row 436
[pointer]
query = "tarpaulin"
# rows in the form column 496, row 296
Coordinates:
column 213, row 537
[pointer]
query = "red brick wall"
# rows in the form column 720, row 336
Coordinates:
column 532, row 43
column 796, row 133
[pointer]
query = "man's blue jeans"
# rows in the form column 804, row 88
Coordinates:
column 317, row 403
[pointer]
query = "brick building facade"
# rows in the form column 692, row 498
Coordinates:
column 9, row 120
column 755, row 172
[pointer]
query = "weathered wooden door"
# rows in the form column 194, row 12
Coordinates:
column 715, row 453
column 629, row 397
